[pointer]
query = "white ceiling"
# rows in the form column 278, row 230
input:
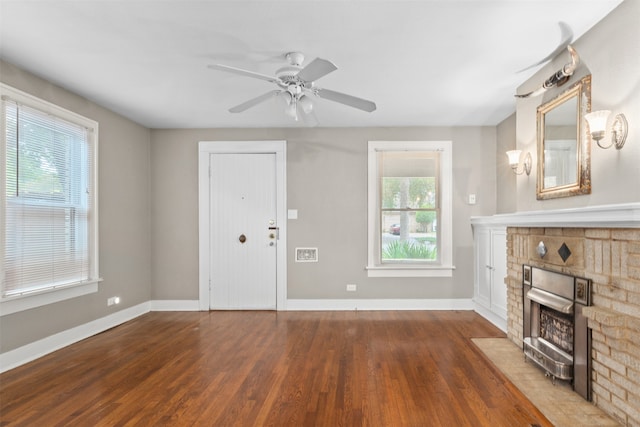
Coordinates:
column 424, row 62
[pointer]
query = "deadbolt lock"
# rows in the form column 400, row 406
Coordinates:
column 274, row 232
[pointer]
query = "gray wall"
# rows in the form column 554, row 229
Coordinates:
column 506, row 179
column 327, row 184
column 124, row 212
column 610, row 51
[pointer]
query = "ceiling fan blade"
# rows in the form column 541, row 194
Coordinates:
column 242, row 72
column 345, row 99
column 315, row 69
column 566, row 37
column 255, row 101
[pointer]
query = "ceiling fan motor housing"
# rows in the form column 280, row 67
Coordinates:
column 289, row 80
column 288, row 73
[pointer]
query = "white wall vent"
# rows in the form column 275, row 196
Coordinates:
column 306, row 254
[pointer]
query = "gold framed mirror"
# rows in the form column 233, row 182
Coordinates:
column 564, row 145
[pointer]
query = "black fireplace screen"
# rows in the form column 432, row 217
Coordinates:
column 557, row 328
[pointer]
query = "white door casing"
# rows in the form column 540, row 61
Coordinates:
column 247, row 197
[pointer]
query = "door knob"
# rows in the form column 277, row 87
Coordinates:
column 242, row 238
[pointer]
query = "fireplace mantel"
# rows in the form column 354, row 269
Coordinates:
column 603, row 216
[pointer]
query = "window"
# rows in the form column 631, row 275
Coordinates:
column 49, row 227
column 410, row 209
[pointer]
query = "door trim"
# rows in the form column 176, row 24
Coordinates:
column 205, row 149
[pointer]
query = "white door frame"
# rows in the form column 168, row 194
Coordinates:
column 205, row 149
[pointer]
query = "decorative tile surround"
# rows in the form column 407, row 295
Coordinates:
column 604, row 245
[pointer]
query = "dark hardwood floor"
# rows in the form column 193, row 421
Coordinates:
column 391, row 368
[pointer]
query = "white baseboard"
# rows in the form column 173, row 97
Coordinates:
column 175, row 305
column 21, row 355
column 491, row 317
column 378, row 304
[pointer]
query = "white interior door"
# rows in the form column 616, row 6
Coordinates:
column 243, row 231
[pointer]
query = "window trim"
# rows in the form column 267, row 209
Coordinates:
column 26, row 301
column 445, row 267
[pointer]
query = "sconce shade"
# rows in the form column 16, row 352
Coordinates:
column 597, row 123
column 514, row 162
column 598, row 127
column 514, row 157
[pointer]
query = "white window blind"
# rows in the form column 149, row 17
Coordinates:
column 49, row 206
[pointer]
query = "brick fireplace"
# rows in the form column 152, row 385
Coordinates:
column 604, row 246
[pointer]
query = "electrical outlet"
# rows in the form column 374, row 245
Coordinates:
column 113, row 301
column 351, row 287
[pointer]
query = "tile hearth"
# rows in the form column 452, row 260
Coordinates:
column 561, row 405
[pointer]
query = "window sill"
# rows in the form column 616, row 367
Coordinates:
column 409, row 271
column 25, row 302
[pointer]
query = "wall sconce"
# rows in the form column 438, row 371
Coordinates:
column 514, row 162
column 597, row 121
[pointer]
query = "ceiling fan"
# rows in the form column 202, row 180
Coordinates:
column 296, row 86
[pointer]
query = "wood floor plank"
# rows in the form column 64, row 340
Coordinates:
column 391, row 368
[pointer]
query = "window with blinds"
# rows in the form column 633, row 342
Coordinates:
column 49, row 197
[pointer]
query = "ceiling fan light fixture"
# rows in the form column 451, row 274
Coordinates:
column 291, row 110
column 306, row 104
column 285, row 97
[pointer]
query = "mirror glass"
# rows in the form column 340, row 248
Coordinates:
column 563, row 144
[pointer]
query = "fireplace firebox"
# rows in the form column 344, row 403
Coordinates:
column 556, row 335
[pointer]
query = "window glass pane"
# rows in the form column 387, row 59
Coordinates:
column 409, row 206
column 409, row 236
column 408, row 179
column 50, row 158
